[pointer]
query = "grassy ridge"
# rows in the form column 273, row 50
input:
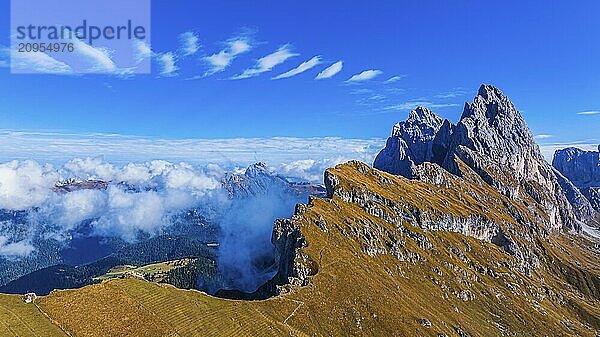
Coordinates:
column 18, row 318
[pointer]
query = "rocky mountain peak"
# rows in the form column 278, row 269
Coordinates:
column 493, row 139
column 493, row 126
column 488, row 96
column 410, row 143
column 425, row 116
column 258, row 168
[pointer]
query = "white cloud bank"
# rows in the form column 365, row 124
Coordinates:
column 330, row 71
column 25, row 184
column 162, row 189
column 59, row 148
column 267, row 63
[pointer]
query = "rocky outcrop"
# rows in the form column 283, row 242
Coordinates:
column 410, row 144
column 259, row 180
column 256, row 180
column 583, row 169
column 493, row 139
column 74, row 185
column 294, row 266
column 452, row 204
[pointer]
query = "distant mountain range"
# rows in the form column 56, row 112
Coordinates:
column 582, row 168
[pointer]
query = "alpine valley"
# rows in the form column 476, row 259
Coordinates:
column 456, row 230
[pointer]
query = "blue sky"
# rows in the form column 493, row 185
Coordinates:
column 546, row 58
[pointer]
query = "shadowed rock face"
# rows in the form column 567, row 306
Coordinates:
column 410, row 144
column 583, row 169
column 493, row 139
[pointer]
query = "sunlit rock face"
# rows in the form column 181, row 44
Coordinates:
column 493, row 139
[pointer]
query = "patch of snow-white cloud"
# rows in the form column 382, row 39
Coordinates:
column 304, row 66
column 190, row 43
column 25, row 184
column 168, row 68
column 394, row 79
column 590, row 112
column 142, row 50
column 268, row 62
column 168, row 176
column 14, row 249
column 365, row 75
column 453, row 93
column 221, row 60
column 330, row 71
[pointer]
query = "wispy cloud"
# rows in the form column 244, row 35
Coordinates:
column 267, row 63
column 190, row 43
column 456, row 92
column 591, row 112
column 168, row 68
column 142, row 50
column 414, row 104
column 304, row 66
column 543, row 136
column 372, row 100
column 99, row 59
column 330, row 71
column 394, row 79
column 84, row 59
column 36, row 62
column 221, row 60
column 365, row 76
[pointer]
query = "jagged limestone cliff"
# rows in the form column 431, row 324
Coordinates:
column 493, row 140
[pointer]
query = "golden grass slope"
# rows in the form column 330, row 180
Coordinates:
column 18, row 318
column 446, row 283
